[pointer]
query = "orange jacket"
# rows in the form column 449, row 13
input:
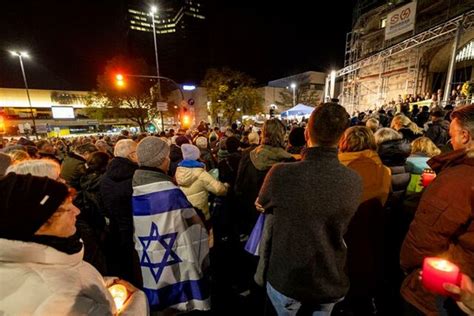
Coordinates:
column 376, row 177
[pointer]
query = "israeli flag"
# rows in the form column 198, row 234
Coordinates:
column 172, row 246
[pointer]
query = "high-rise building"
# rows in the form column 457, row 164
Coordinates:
column 182, row 37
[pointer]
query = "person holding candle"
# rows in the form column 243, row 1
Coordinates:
column 463, row 292
column 41, row 266
column 443, row 221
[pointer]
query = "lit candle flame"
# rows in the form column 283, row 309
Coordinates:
column 119, row 293
column 442, row 265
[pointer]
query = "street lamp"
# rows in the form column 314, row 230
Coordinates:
column 20, row 56
column 293, row 86
column 153, row 10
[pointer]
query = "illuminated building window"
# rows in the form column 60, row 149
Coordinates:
column 383, row 23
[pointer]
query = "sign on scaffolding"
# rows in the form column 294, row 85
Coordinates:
column 400, row 21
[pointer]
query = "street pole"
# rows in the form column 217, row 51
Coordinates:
column 153, row 11
column 452, row 63
column 293, row 86
column 20, row 57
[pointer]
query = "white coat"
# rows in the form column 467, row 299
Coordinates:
column 196, row 183
column 39, row 280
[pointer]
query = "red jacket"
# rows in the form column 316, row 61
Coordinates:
column 442, row 226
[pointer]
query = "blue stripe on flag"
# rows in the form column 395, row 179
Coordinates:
column 177, row 293
column 159, row 202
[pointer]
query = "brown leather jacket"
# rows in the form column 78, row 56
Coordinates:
column 442, row 226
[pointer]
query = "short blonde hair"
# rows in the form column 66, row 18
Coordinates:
column 386, row 134
column 357, row 138
column 37, row 167
column 399, row 121
column 425, row 146
column 373, row 124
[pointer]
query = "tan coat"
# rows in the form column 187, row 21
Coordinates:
column 375, row 176
column 197, row 183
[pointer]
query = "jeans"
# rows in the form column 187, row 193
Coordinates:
column 286, row 306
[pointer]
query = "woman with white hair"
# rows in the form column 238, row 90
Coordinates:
column 37, row 167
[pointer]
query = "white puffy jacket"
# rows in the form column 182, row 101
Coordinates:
column 196, row 183
column 39, row 280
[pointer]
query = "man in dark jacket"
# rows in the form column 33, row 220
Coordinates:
column 423, row 116
column 443, row 221
column 116, row 190
column 438, row 128
column 73, row 167
column 308, row 253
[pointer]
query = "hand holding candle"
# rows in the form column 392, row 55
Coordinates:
column 427, row 177
column 120, row 295
column 436, row 272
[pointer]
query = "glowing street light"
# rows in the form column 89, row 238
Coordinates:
column 20, row 56
column 293, row 86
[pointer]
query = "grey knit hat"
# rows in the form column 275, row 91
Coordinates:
column 152, row 151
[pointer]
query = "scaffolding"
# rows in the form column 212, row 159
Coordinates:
column 351, row 86
column 441, row 32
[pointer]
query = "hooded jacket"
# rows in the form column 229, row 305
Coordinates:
column 116, row 191
column 40, row 280
column 442, row 226
column 438, row 132
column 197, row 183
column 376, row 177
column 253, row 168
column 72, row 169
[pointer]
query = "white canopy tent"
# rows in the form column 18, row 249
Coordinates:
column 298, row 111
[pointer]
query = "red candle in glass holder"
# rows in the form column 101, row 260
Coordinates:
column 436, row 272
column 427, row 177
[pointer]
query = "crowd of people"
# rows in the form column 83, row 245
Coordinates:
column 337, row 205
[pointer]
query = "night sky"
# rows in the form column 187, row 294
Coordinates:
column 70, row 41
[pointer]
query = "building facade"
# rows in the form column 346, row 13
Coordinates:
column 402, row 48
column 56, row 112
column 308, row 89
column 181, row 30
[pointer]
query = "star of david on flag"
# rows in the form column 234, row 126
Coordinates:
column 157, row 268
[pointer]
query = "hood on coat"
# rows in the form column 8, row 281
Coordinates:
column 348, row 157
column 120, row 169
column 394, row 152
column 264, row 157
column 30, row 252
column 185, row 177
column 453, row 158
column 175, row 153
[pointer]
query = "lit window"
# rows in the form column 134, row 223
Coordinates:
column 383, row 23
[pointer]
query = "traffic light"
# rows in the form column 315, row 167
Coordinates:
column 185, row 118
column 120, row 81
column 2, row 125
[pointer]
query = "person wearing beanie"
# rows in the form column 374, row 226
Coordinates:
column 160, row 208
column 438, row 129
column 41, row 264
column 175, row 153
column 195, row 181
column 206, row 155
column 296, row 141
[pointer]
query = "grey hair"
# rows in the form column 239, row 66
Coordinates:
column 386, row 134
column 124, row 148
column 37, row 167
